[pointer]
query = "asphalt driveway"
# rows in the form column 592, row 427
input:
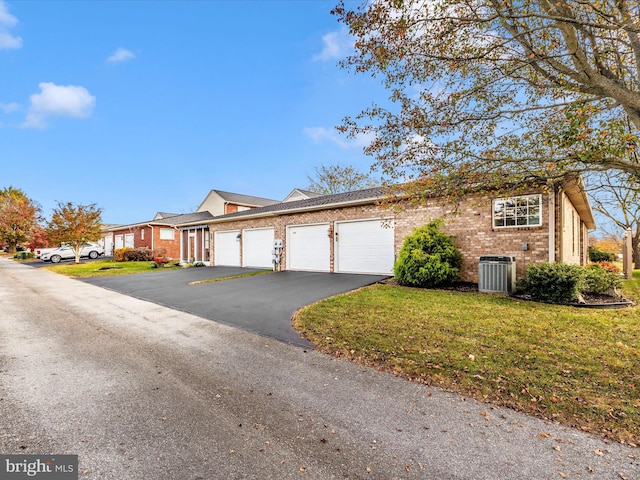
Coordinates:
column 262, row 304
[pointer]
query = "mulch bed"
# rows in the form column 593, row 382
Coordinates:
column 594, row 300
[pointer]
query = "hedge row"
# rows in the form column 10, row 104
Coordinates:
column 140, row 254
column 561, row 283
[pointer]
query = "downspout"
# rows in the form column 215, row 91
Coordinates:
column 552, row 225
column 152, row 238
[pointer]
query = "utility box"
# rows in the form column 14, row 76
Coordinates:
column 497, row 274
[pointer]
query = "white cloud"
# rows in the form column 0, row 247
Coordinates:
column 337, row 44
column 121, row 55
column 58, row 101
column 9, row 107
column 322, row 134
column 8, row 21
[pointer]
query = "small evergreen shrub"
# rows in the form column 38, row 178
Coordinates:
column 597, row 255
column 552, row 282
column 428, row 258
column 599, row 280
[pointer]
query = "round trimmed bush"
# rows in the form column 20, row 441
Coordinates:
column 552, row 282
column 428, row 258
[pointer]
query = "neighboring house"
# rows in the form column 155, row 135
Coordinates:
column 163, row 234
column 353, row 233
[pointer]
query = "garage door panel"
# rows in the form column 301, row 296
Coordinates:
column 257, row 247
column 309, row 248
column 227, row 248
column 365, row 247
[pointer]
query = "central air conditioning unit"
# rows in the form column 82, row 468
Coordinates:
column 497, row 274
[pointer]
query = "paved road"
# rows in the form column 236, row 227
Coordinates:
column 141, row 391
column 262, row 303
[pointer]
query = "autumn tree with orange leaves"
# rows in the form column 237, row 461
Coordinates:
column 75, row 225
column 19, row 215
column 491, row 91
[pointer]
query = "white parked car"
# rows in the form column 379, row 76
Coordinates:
column 41, row 251
column 65, row 252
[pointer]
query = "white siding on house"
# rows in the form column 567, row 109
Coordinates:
column 226, row 247
column 309, row 247
column 365, row 246
column 257, row 247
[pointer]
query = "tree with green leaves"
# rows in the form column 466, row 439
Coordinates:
column 19, row 215
column 329, row 179
column 75, row 225
column 485, row 92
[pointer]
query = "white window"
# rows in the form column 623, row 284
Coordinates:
column 166, row 234
column 521, row 211
column 142, row 234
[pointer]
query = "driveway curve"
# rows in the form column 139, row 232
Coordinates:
column 261, row 304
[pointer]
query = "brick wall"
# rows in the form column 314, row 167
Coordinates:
column 470, row 223
column 170, row 248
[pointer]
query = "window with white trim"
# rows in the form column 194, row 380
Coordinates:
column 166, row 234
column 520, row 211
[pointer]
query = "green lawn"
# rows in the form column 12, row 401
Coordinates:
column 103, row 268
column 580, row 367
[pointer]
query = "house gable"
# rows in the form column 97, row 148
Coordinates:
column 219, row 202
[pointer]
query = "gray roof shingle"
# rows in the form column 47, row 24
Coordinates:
column 309, row 203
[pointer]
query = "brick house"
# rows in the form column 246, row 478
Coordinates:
column 160, row 234
column 353, row 233
column 163, row 232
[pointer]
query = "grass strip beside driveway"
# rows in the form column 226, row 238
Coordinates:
column 575, row 366
column 104, row 268
column 231, row 277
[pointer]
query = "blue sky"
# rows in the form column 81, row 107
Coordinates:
column 144, row 106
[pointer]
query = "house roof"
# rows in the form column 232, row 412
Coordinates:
column 321, row 202
column 170, row 221
column 575, row 190
column 572, row 185
column 160, row 215
column 239, row 199
column 300, row 192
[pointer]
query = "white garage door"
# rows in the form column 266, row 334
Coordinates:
column 129, row 240
column 309, row 247
column 226, row 248
column 257, row 245
column 364, row 247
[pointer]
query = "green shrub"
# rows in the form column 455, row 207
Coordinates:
column 597, row 255
column 24, row 255
column 600, row 280
column 552, row 282
column 428, row 258
column 140, row 254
